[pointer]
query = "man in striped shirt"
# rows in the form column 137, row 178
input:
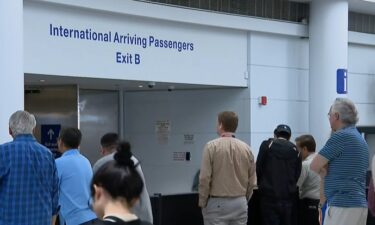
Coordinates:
column 343, row 163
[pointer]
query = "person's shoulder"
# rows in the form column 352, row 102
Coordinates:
column 214, row 141
column 211, row 144
column 267, row 141
column 134, row 159
column 105, row 159
column 102, row 161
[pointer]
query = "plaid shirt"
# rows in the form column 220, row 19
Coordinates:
column 28, row 183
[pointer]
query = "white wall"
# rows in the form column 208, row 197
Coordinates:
column 361, row 81
column 189, row 112
column 279, row 70
column 11, row 64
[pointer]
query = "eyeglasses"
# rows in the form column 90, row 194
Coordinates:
column 333, row 114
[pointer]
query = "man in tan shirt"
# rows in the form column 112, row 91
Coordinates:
column 227, row 176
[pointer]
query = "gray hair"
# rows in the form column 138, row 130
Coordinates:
column 22, row 122
column 346, row 109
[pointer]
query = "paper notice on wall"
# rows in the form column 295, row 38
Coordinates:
column 163, row 130
column 179, row 156
column 188, row 139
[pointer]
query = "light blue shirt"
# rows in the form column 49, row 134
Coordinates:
column 347, row 155
column 75, row 175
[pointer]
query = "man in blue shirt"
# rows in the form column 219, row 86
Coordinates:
column 28, row 176
column 343, row 161
column 75, row 176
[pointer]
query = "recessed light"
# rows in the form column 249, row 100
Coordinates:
column 140, row 86
column 42, row 81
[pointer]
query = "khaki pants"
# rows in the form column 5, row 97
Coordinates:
column 345, row 216
column 225, row 211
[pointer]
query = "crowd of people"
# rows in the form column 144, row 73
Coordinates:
column 35, row 189
column 296, row 185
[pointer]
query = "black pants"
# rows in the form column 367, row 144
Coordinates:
column 308, row 212
column 278, row 212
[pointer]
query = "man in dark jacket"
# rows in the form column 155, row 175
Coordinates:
column 278, row 168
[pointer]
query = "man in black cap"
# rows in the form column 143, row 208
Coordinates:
column 278, row 168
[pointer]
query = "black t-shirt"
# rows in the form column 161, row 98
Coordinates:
column 111, row 220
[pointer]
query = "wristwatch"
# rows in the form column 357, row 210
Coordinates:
column 320, row 205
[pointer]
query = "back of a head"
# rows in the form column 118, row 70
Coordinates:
column 71, row 137
column 119, row 176
column 22, row 122
column 346, row 109
column 307, row 141
column 229, row 121
column 283, row 131
column 109, row 140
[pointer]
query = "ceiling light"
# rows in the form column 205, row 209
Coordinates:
column 373, row 1
column 42, row 81
column 140, row 86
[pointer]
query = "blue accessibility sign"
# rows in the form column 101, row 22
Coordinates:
column 49, row 134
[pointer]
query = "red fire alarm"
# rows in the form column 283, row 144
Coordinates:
column 263, row 100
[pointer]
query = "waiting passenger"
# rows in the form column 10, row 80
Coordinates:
column 116, row 187
column 308, row 183
column 109, row 143
column 278, row 168
column 227, row 176
column 28, row 176
column 75, row 175
column 346, row 154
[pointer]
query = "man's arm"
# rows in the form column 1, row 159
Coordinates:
column 252, row 178
column 298, row 168
column 205, row 178
column 318, row 165
column 260, row 159
column 55, row 192
column 303, row 175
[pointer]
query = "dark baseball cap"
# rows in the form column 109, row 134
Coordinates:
column 282, row 128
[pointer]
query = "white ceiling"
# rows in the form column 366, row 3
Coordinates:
column 36, row 80
column 355, row 6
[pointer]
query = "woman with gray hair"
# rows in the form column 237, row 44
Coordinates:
column 343, row 163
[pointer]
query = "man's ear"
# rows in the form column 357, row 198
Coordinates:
column 102, row 150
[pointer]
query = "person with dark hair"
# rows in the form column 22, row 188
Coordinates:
column 278, row 168
column 28, row 177
column 308, row 183
column 109, row 143
column 116, row 187
column 75, row 175
column 227, row 176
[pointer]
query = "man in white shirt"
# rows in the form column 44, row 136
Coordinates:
column 308, row 183
column 109, row 143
